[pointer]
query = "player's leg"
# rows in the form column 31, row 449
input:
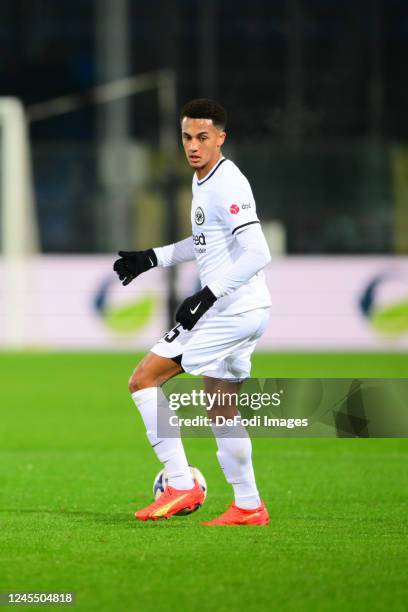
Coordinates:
column 145, row 388
column 234, row 444
column 235, row 458
column 153, row 371
column 219, row 347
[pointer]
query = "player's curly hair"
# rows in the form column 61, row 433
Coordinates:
column 202, row 108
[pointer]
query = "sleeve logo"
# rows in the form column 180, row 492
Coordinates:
column 234, row 209
column 199, row 215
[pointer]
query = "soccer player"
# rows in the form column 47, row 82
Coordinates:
column 217, row 327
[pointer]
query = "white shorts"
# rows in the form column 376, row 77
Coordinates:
column 219, row 345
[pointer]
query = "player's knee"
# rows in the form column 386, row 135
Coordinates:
column 141, row 379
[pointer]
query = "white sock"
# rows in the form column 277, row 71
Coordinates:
column 152, row 402
column 235, row 458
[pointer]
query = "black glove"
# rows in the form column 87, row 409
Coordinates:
column 133, row 263
column 194, row 307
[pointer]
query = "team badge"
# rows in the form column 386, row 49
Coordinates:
column 234, row 209
column 199, row 215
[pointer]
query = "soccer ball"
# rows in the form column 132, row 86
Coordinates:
column 161, row 480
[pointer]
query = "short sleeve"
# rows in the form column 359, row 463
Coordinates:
column 238, row 209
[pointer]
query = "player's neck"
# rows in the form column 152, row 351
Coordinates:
column 202, row 172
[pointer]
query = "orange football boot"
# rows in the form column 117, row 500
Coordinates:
column 172, row 501
column 240, row 516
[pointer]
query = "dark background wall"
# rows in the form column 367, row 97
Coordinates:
column 315, row 91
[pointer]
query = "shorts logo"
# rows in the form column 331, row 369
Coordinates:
column 199, row 215
column 234, row 209
column 245, row 206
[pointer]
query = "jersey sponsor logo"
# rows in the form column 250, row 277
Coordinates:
column 199, row 239
column 199, row 215
column 234, row 209
column 245, row 206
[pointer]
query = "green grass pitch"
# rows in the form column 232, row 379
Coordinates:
column 75, row 464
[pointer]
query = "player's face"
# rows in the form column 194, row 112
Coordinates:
column 202, row 142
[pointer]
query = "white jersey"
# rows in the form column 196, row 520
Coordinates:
column 223, row 206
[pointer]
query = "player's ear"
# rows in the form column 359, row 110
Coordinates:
column 221, row 138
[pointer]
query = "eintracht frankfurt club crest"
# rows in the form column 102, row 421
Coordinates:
column 199, row 216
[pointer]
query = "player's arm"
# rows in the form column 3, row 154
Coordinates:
column 132, row 263
column 176, row 253
column 237, row 212
column 254, row 256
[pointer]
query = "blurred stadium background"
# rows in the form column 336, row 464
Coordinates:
column 90, row 163
column 316, row 101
